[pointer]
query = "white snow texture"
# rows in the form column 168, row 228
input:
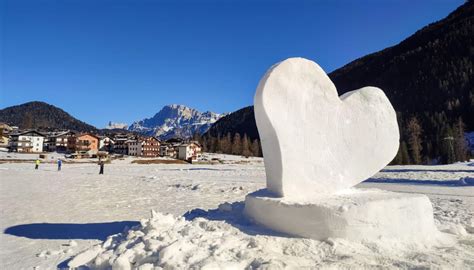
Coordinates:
column 356, row 214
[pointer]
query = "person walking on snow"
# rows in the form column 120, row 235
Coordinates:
column 101, row 164
column 37, row 163
column 60, row 162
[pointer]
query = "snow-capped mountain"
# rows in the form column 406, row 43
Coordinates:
column 113, row 125
column 176, row 121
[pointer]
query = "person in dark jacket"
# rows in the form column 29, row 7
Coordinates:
column 101, row 164
column 60, row 163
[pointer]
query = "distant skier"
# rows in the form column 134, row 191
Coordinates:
column 60, row 163
column 101, row 164
column 37, row 163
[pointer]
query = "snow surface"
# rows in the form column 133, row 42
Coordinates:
column 302, row 122
column 49, row 217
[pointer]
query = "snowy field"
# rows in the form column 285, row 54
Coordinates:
column 48, row 217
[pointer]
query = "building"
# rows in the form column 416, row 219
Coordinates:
column 87, row 142
column 4, row 141
column 151, row 147
column 134, row 147
column 121, row 144
column 63, row 141
column 144, row 147
column 5, row 129
column 189, row 151
column 26, row 142
column 168, row 150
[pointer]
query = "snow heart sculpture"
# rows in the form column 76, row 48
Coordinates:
column 317, row 146
column 316, row 143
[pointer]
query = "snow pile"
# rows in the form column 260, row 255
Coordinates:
column 354, row 214
column 223, row 239
column 167, row 241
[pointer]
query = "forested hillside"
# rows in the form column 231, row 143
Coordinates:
column 428, row 77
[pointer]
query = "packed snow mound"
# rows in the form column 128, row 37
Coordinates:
column 223, row 239
column 354, row 214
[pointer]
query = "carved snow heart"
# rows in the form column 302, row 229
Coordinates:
column 314, row 142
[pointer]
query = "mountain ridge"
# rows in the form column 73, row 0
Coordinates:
column 41, row 115
column 428, row 76
column 175, row 121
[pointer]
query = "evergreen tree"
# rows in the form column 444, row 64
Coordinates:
column 397, row 160
column 237, row 145
column 404, row 157
column 246, row 147
column 226, row 144
column 203, row 142
column 460, row 144
column 217, row 147
column 447, row 146
column 256, row 148
column 212, row 144
column 414, row 139
column 429, row 154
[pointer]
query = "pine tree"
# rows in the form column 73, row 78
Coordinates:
column 237, row 145
column 256, row 148
column 460, row 144
column 246, row 147
column 212, row 144
column 447, row 146
column 217, row 147
column 204, row 144
column 397, row 160
column 429, row 154
column 215, row 143
column 414, row 139
column 226, row 144
column 404, row 157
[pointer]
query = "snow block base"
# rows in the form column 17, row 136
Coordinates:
column 355, row 214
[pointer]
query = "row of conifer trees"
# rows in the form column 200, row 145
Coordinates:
column 234, row 145
column 443, row 143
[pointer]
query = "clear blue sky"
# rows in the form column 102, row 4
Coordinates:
column 124, row 60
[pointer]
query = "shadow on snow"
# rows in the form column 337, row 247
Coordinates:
column 98, row 231
column 461, row 182
column 234, row 217
column 421, row 170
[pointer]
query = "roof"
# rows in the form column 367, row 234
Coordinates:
column 90, row 134
column 189, row 143
column 22, row 133
column 61, row 133
column 174, row 140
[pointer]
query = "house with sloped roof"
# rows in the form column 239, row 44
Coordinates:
column 29, row 141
